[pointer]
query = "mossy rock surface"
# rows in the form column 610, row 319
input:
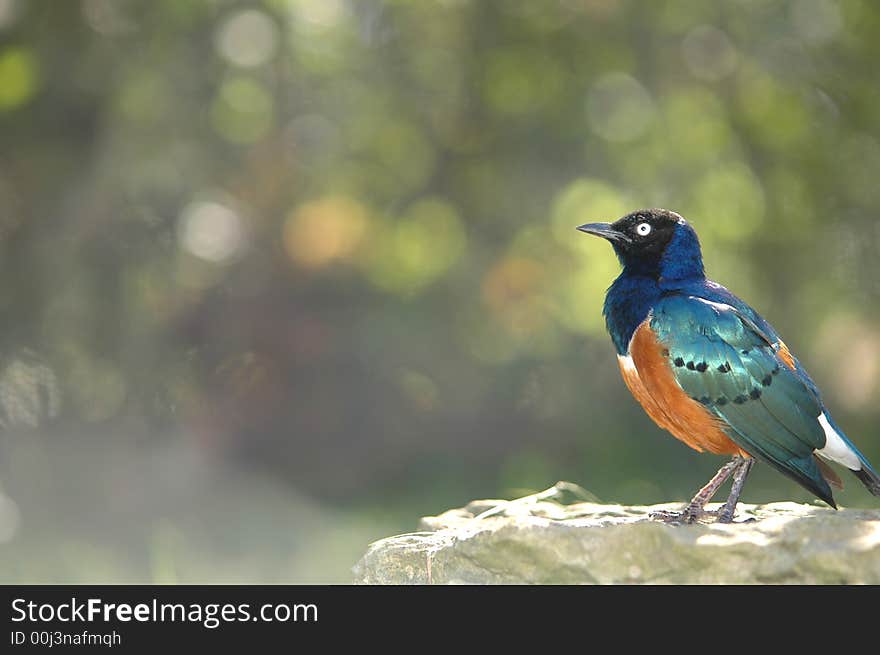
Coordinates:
column 588, row 543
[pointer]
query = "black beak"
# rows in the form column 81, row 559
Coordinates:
column 605, row 231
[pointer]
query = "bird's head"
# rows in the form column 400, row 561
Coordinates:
column 656, row 243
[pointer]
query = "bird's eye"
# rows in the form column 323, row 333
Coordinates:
column 643, row 229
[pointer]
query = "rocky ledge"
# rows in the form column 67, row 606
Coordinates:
column 539, row 540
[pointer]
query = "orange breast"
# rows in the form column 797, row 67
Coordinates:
column 649, row 377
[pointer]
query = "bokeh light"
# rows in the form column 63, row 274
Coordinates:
column 708, row 53
column 247, row 38
column 325, row 230
column 416, row 249
column 18, row 77
column 106, row 17
column 211, row 231
column 619, row 108
column 319, row 13
column 243, row 110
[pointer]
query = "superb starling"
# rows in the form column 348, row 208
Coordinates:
column 709, row 369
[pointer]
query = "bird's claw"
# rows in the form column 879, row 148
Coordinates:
column 691, row 515
column 688, row 516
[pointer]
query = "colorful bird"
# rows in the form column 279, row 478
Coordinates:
column 709, row 369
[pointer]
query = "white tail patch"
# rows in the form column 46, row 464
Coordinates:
column 836, row 449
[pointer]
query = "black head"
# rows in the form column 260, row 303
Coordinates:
column 655, row 242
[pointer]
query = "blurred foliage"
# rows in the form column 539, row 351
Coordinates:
column 331, row 242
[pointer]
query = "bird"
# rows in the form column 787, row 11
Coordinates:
column 709, row 369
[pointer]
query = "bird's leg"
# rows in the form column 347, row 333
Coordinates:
column 739, row 479
column 695, row 509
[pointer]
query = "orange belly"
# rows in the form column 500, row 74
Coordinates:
column 649, row 378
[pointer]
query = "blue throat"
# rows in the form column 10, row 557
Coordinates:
column 645, row 280
column 627, row 304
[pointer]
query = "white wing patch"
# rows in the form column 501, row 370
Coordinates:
column 627, row 364
column 836, row 448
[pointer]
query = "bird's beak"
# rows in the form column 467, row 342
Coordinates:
column 604, row 230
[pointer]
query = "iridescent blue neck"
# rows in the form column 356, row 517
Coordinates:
column 682, row 261
column 627, row 304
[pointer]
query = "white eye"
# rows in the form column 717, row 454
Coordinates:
column 643, row 229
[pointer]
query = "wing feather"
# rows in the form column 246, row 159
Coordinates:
column 721, row 357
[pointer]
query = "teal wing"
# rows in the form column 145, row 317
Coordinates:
column 722, row 359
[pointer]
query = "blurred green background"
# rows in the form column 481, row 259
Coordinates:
column 280, row 277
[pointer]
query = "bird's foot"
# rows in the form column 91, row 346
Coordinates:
column 690, row 515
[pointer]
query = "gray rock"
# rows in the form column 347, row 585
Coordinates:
column 538, row 541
